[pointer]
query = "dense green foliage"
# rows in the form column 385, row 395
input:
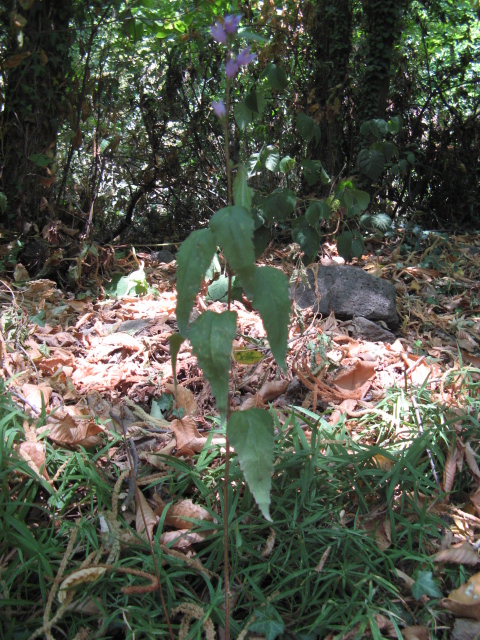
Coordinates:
column 107, row 128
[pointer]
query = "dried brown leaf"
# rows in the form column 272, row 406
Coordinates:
column 461, row 554
column 471, row 460
column 187, row 436
column 185, row 399
column 465, row 601
column 416, row 633
column 271, row 390
column 65, row 430
column 180, row 539
column 34, row 454
column 355, row 381
column 144, row 516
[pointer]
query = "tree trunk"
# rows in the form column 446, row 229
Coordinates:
column 332, row 33
column 35, row 79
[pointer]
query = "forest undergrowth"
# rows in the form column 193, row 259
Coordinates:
column 375, row 494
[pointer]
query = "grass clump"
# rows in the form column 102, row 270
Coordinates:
column 358, row 513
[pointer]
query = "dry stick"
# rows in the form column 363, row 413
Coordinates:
column 420, row 428
column 120, row 422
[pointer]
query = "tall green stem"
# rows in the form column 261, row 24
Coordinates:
column 226, row 482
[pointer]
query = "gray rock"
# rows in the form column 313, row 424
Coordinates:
column 164, row 255
column 367, row 330
column 348, row 292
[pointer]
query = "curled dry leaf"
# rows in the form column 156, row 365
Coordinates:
column 187, row 436
column 65, row 430
column 89, row 574
column 178, row 511
column 453, row 458
column 465, row 601
column 144, row 516
column 180, row 539
column 34, row 454
column 271, row 390
column 356, row 380
column 471, row 460
column 270, row 543
column 461, row 554
column 35, row 392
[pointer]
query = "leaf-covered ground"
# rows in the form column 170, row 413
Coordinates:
column 375, row 501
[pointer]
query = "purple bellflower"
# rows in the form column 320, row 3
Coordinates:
column 219, row 109
column 218, row 33
column 245, row 57
column 231, row 68
column 230, row 24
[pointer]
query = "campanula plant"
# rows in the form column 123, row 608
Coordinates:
column 211, row 335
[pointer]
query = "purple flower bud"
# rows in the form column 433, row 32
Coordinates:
column 230, row 24
column 218, row 33
column 231, row 68
column 219, row 109
column 245, row 57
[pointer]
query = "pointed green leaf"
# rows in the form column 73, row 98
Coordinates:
column 344, row 245
column 233, row 231
column 307, row 237
column 261, row 238
column 242, row 193
column 308, row 128
column 358, row 244
column 243, row 115
column 251, row 434
column 193, row 259
column 277, row 77
column 255, row 101
column 272, row 302
column 212, row 336
column 175, row 341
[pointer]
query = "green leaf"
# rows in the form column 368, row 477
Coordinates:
column 253, row 165
column 425, row 585
column 308, row 128
column 344, row 245
column 362, row 199
column 175, row 341
column 267, row 623
column 214, row 269
column 376, row 127
column 233, row 231
column 317, row 210
column 386, row 148
column 394, row 125
column 251, row 434
column 371, row 163
column 193, row 260
column 243, row 115
column 271, row 300
column 218, row 290
column 307, row 237
column 247, row 356
column 312, row 171
column 250, row 36
column 3, row 202
column 358, row 244
column 242, row 193
column 271, row 158
column 277, row 77
column 280, row 204
column 212, row 335
column 382, row 222
column 255, row 101
column 286, row 164
column 261, row 238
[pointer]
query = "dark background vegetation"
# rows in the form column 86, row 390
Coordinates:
column 107, row 132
